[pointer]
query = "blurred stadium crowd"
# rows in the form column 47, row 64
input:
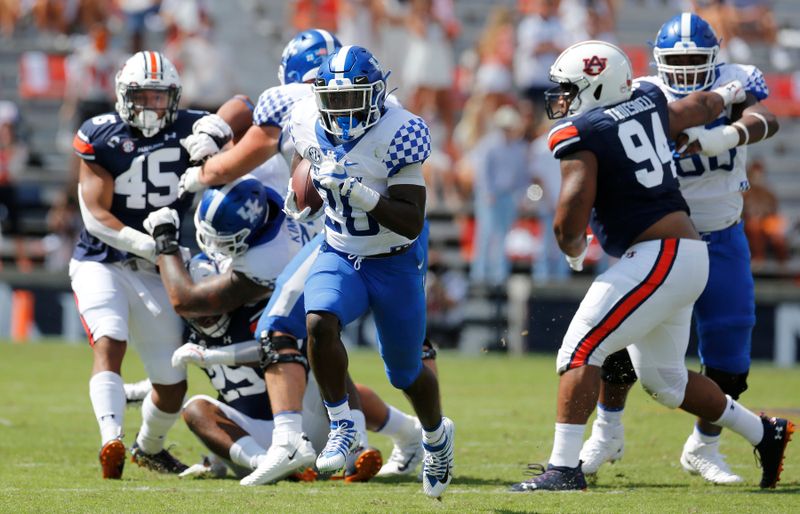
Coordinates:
column 474, row 70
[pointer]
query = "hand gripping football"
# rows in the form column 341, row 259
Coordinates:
column 303, row 187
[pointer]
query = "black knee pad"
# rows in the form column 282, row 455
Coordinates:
column 732, row 384
column 618, row 369
column 428, row 351
column 270, row 347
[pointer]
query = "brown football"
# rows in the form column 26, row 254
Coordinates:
column 303, row 187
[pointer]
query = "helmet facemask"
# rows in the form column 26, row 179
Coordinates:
column 150, row 108
column 349, row 109
column 219, row 246
column 562, row 100
column 686, row 70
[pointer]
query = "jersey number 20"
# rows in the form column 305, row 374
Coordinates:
column 640, row 149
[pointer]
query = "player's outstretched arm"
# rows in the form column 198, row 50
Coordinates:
column 95, row 194
column 211, row 297
column 702, row 107
column 257, row 145
column 575, row 201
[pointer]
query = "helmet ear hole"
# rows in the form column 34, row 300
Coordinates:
column 598, row 91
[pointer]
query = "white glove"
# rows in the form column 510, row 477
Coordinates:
column 210, row 467
column 576, row 263
column 293, row 211
column 714, row 141
column 732, row 93
column 190, row 181
column 199, row 146
column 330, row 174
column 214, row 126
column 163, row 216
column 190, row 353
column 360, row 196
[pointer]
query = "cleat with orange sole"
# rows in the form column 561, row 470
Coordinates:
column 307, row 475
column 362, row 465
column 771, row 450
column 112, row 459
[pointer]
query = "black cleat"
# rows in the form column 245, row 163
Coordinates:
column 552, row 478
column 162, row 462
column 770, row 451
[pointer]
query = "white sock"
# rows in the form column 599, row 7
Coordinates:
column 246, row 452
column 155, row 425
column 290, row 422
column 703, row 438
column 338, row 411
column 399, row 426
column 608, row 424
column 433, row 437
column 567, row 445
column 361, row 426
column 107, row 392
column 741, row 421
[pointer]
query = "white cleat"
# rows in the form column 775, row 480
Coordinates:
column 596, row 451
column 343, row 440
column 437, row 467
column 136, row 392
column 209, row 467
column 406, row 456
column 704, row 459
column 290, row 453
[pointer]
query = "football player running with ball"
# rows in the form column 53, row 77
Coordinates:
column 712, row 182
column 131, row 163
column 618, row 174
column 366, row 163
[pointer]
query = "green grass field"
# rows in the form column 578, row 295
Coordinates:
column 503, row 408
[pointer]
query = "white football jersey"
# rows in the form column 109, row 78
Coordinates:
column 273, row 108
column 379, row 159
column 713, row 186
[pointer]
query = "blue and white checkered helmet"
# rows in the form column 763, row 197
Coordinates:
column 683, row 35
column 350, row 90
column 303, row 55
column 231, row 217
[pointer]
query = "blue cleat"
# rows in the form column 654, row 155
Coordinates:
column 343, row 439
column 437, row 467
column 552, row 478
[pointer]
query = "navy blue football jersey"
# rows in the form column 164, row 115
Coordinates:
column 145, row 170
column 637, row 183
column 241, row 387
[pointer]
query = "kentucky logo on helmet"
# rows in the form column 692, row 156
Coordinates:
column 250, row 211
column 594, row 66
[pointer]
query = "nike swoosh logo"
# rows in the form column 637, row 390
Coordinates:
column 347, row 164
column 338, row 175
column 291, row 457
column 420, row 265
column 404, row 466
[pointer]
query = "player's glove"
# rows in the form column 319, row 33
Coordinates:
column 714, row 141
column 293, row 211
column 330, row 174
column 360, row 196
column 576, row 263
column 163, row 225
column 209, row 134
column 190, row 181
column 732, row 93
column 201, row 356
